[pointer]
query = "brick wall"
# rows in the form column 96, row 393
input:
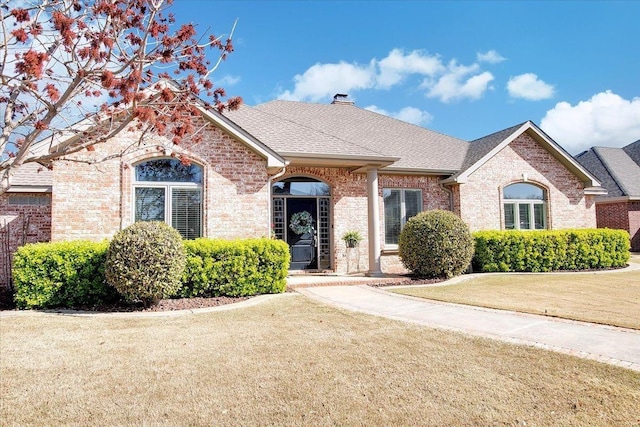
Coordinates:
column 94, row 201
column 24, row 218
column 480, row 199
column 624, row 215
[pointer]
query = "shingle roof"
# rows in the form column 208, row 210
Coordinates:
column 306, row 130
column 618, row 171
column 287, row 136
column 633, row 151
column 480, row 147
column 32, row 174
column 299, row 127
column 592, row 162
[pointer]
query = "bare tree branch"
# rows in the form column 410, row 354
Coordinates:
column 74, row 74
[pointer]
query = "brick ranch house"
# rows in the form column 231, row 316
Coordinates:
column 307, row 173
column 618, row 169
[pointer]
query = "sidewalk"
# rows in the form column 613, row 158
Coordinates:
column 608, row 344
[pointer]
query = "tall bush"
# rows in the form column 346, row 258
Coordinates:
column 61, row 274
column 145, row 262
column 436, row 243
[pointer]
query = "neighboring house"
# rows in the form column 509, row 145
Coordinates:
column 25, row 213
column 618, row 169
column 307, row 173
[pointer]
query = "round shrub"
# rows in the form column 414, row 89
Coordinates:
column 145, row 262
column 436, row 244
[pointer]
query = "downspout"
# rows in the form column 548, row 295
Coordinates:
column 122, row 189
column 269, row 194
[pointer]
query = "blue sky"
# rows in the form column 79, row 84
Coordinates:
column 465, row 69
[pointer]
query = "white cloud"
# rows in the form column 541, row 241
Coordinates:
column 606, row 119
column 227, row 80
column 396, row 66
column 460, row 81
column 448, row 83
column 407, row 114
column 491, row 57
column 529, row 86
column 322, row 80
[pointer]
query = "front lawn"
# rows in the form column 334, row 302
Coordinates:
column 292, row 361
column 609, row 298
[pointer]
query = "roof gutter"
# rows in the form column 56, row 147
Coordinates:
column 418, row 171
column 337, row 160
column 595, row 191
column 605, row 200
column 30, row 189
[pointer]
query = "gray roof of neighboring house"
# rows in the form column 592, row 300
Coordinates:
column 633, row 151
column 31, row 175
column 618, row 169
column 344, row 129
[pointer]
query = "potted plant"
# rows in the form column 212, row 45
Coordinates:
column 352, row 238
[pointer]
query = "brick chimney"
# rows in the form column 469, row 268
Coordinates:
column 342, row 99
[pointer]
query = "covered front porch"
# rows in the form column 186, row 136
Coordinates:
column 313, row 206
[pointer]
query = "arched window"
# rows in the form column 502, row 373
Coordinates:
column 301, row 186
column 168, row 190
column 524, row 207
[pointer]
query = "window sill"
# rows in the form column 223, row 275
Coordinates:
column 390, row 251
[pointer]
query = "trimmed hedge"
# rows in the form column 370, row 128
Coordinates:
column 235, row 268
column 61, row 274
column 538, row 251
column 71, row 274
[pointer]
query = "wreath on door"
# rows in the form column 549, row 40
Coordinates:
column 301, row 222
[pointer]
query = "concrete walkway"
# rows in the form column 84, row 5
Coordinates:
column 608, row 344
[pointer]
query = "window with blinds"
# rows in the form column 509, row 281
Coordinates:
column 186, row 211
column 399, row 206
column 524, row 207
column 166, row 190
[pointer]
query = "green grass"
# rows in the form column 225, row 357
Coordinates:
column 292, row 361
column 608, row 298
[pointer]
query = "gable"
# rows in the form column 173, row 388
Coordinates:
column 72, row 135
column 484, row 149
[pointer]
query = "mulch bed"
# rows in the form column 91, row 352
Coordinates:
column 165, row 305
column 6, row 303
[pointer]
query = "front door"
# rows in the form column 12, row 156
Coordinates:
column 302, row 229
column 301, row 214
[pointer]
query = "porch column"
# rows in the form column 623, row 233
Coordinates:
column 374, row 223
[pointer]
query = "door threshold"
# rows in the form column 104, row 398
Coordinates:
column 312, row 272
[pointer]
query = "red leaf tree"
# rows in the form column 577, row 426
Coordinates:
column 90, row 69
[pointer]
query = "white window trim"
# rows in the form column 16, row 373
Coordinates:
column 393, row 247
column 531, row 203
